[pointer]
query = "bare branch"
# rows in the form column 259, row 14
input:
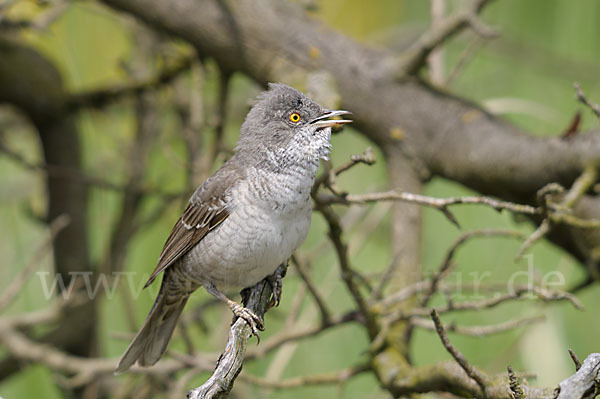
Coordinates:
column 446, row 263
column 44, row 249
column 231, row 360
column 575, row 360
column 322, row 379
column 320, row 302
column 479, row 331
column 328, row 177
column 476, row 375
column 103, row 97
column 415, row 57
column 335, row 234
column 539, row 233
column 583, row 382
column 558, row 212
column 583, row 99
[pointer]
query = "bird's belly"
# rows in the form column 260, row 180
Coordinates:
column 248, row 246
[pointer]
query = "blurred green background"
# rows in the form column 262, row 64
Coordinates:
column 526, row 75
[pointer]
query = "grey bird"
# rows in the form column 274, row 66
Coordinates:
column 246, row 219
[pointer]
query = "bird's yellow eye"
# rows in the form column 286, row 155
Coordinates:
column 294, row 117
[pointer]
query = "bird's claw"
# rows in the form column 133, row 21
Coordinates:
column 276, row 282
column 255, row 322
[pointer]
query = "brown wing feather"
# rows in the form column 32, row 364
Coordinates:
column 197, row 220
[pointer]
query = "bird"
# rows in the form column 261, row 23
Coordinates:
column 243, row 221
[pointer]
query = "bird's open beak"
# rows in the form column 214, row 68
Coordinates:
column 326, row 121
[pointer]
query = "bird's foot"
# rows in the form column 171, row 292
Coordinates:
column 252, row 319
column 276, row 282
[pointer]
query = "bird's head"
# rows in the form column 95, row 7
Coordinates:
column 285, row 122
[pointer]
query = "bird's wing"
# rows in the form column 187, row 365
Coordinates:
column 206, row 210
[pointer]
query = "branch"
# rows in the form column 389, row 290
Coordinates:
column 440, row 204
column 583, row 99
column 475, row 374
column 103, row 97
column 348, row 275
column 479, row 331
column 322, row 379
column 584, row 382
column 44, row 249
column 231, row 360
column 414, row 58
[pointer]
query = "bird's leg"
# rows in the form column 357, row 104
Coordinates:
column 238, row 310
column 276, row 282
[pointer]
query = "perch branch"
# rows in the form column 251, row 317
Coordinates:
column 231, row 360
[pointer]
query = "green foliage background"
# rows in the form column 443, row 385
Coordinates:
column 545, row 46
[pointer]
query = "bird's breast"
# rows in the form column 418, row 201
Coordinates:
column 269, row 218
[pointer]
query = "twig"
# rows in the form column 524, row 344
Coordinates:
column 76, row 175
column 514, row 385
column 540, row 232
column 335, row 234
column 583, row 99
column 556, row 211
column 103, row 97
column 518, row 293
column 463, row 59
column 463, row 238
column 322, row 379
column 580, row 186
column 412, row 59
column 84, row 369
column 14, row 288
column 440, row 204
column 328, row 177
column 575, row 360
column 472, row 372
column 320, row 302
column 479, row 331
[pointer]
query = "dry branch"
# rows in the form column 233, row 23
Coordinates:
column 477, row 376
column 230, row 362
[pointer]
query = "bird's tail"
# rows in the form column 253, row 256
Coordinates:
column 151, row 341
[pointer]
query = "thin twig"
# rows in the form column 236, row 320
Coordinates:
column 78, row 176
column 412, row 59
column 297, row 382
column 328, row 176
column 539, row 233
column 575, row 360
column 556, row 212
column 320, row 302
column 472, row 372
column 479, row 331
column 103, row 97
column 440, row 204
column 583, row 99
column 335, row 235
column 518, row 293
column 463, row 238
column 15, row 286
